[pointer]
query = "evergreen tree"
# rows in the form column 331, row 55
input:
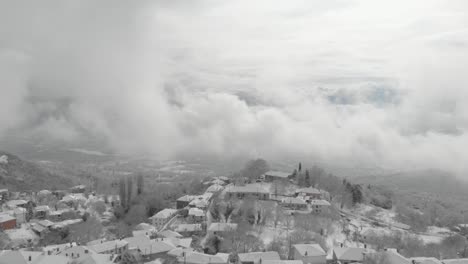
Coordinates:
column 129, row 189
column 123, row 193
column 307, row 179
column 140, row 183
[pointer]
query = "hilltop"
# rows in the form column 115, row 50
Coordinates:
column 19, row 174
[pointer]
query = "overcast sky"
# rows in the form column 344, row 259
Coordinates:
column 378, row 83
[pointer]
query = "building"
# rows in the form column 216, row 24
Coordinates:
column 200, row 258
column 7, row 222
column 214, row 188
column 319, row 206
column 110, row 247
column 294, row 203
column 184, row 201
column 199, row 203
column 189, row 229
column 16, row 203
column 196, row 215
column 160, row 218
column 4, row 195
column 20, row 214
column 309, row 253
column 310, row 192
column 254, row 191
column 41, row 212
column 283, row 262
column 258, row 257
column 169, row 234
column 216, row 228
column 276, row 176
column 346, row 255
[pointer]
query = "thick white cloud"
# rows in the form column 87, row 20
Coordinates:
column 358, row 83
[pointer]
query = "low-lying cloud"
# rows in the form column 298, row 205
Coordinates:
column 359, row 83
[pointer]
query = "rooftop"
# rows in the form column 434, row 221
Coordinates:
column 320, row 202
column 309, row 190
column 278, row 174
column 256, row 256
column 6, row 218
column 109, row 245
column 222, row 227
column 293, row 200
column 165, row 213
column 310, row 250
column 250, row 188
column 346, row 253
column 188, row 228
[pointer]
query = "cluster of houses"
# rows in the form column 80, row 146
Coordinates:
column 26, row 217
column 155, row 242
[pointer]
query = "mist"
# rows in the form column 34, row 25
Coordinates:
column 352, row 83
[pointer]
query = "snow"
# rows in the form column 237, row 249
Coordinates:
column 21, row 235
column 4, row 159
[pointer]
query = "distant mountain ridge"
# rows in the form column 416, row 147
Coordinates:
column 19, row 175
column 429, row 181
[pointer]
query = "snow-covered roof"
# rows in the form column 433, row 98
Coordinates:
column 196, row 212
column 109, row 245
column 165, row 213
column 424, row 260
column 310, row 250
column 46, row 223
column 320, row 202
column 169, row 233
column 6, row 218
column 214, row 188
column 223, row 227
column 188, row 228
column 200, row 258
column 249, row 188
column 42, row 208
column 309, row 190
column 155, row 247
column 278, row 174
column 14, row 203
column 178, row 252
column 187, row 198
column 293, row 200
column 256, row 256
column 282, row 262
column 455, row 261
column 347, row 253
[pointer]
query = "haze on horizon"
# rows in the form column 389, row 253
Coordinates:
column 362, row 82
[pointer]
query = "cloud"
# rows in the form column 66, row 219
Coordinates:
column 350, row 83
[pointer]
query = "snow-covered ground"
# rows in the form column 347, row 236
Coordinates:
column 4, row 159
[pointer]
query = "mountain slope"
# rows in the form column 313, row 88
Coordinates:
column 18, row 174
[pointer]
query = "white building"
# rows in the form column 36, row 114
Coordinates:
column 161, row 218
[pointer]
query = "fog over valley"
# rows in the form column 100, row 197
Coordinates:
column 349, row 84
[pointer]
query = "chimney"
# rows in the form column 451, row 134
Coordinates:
column 29, row 258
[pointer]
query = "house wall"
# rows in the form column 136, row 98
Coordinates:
column 318, row 209
column 11, row 224
column 309, row 259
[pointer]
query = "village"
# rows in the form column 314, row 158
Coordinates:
column 230, row 222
